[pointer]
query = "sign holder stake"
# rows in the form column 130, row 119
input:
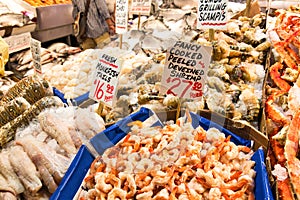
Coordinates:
column 178, row 109
column 121, row 41
column 248, row 5
column 211, row 34
column 139, row 21
column 100, row 108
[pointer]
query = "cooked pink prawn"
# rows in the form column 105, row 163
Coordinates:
column 105, row 182
column 128, row 184
column 145, row 195
column 117, row 193
column 142, row 179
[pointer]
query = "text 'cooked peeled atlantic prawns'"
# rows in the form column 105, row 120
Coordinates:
column 171, row 162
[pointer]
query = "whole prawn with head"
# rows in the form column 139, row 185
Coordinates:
column 99, row 24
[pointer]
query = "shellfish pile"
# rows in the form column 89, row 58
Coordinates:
column 34, row 163
column 74, row 76
column 139, row 85
column 56, row 53
column 236, row 74
column 21, row 103
column 283, row 103
column 171, row 162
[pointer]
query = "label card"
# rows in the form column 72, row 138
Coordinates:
column 35, row 47
column 18, row 42
column 105, row 79
column 141, row 7
column 212, row 14
column 121, row 16
column 185, row 70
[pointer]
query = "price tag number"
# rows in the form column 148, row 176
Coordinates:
column 100, row 89
column 98, row 94
column 184, row 86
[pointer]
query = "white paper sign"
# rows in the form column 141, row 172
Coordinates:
column 105, row 79
column 141, row 7
column 185, row 70
column 212, row 14
column 121, row 16
column 18, row 42
column 35, row 47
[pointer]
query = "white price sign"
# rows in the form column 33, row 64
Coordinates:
column 141, row 7
column 18, row 42
column 121, row 16
column 185, row 70
column 212, row 14
column 35, row 47
column 105, row 79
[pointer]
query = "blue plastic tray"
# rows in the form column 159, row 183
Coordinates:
column 111, row 136
column 76, row 101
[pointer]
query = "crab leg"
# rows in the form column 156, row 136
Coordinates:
column 288, row 60
column 273, row 113
column 276, row 77
column 284, row 189
column 291, row 149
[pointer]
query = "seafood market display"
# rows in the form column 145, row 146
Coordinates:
column 139, row 83
column 6, row 82
column 63, row 66
column 283, row 102
column 236, row 74
column 237, row 70
column 171, row 162
column 32, row 88
column 74, row 76
column 56, row 53
column 11, row 15
column 21, row 103
column 34, row 163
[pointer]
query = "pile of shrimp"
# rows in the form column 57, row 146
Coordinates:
column 171, row 162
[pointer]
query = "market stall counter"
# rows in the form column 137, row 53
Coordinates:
column 54, row 21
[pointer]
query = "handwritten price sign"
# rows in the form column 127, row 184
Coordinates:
column 141, row 7
column 185, row 70
column 212, row 14
column 105, row 79
column 35, row 47
column 121, row 15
